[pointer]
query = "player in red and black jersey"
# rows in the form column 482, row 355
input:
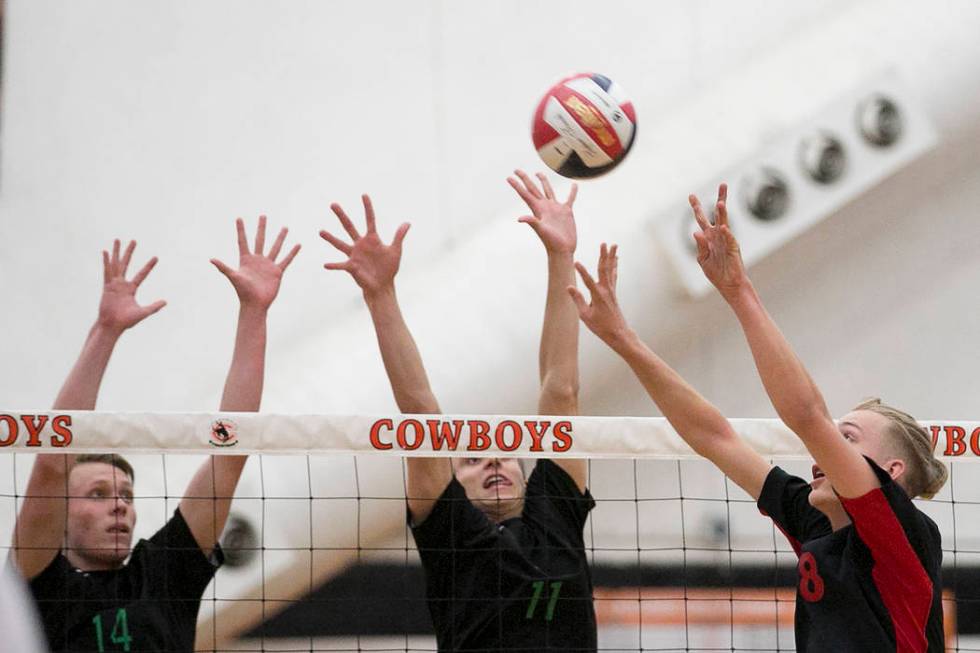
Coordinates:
column 72, row 538
column 869, row 560
column 504, row 558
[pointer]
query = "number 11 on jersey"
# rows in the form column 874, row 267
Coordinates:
column 538, row 586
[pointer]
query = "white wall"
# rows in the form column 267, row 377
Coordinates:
column 163, row 121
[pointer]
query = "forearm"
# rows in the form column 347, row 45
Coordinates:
column 794, row 395
column 207, row 500
column 402, row 361
column 558, row 353
column 40, row 525
column 243, row 385
column 81, row 388
column 242, row 393
column 695, row 419
column 79, row 392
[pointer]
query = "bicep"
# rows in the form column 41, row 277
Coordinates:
column 427, row 479
column 564, row 401
column 207, row 500
column 577, row 469
column 40, row 527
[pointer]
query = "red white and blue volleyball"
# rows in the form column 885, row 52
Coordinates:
column 584, row 126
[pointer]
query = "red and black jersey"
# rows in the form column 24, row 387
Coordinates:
column 521, row 585
column 871, row 586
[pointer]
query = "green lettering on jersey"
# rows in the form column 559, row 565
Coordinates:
column 538, row 586
column 120, row 631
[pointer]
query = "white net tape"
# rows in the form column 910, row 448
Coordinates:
column 681, row 558
column 435, row 435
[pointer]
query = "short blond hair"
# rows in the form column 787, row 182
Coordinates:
column 924, row 474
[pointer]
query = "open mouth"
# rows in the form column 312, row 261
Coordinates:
column 496, row 480
column 817, row 473
column 118, row 529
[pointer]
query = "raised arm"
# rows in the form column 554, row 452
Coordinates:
column 207, row 499
column 796, row 398
column 554, row 223
column 40, row 528
column 696, row 420
column 373, row 265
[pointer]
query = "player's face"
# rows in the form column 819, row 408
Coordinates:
column 494, row 485
column 867, row 432
column 100, row 516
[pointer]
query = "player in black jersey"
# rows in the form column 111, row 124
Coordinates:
column 504, row 560
column 869, row 560
column 73, row 534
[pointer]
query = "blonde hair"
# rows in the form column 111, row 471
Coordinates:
column 924, row 473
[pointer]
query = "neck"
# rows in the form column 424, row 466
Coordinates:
column 500, row 511
column 837, row 515
column 84, row 563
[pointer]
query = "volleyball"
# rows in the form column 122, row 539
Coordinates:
column 584, row 126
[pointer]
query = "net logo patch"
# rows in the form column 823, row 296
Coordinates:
column 224, row 433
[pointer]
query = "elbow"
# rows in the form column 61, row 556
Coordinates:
column 53, row 466
column 559, row 397
column 803, row 416
column 713, row 441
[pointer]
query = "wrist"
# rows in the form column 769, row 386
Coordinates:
column 252, row 317
column 740, row 296
column 561, row 255
column 252, row 309
column 105, row 331
column 379, row 295
column 622, row 340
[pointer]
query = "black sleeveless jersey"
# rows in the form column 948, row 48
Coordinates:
column 521, row 585
column 149, row 604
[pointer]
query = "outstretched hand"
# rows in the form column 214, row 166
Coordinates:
column 718, row 253
column 601, row 314
column 553, row 221
column 118, row 309
column 372, row 263
column 258, row 275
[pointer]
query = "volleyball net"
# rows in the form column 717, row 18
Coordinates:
column 319, row 557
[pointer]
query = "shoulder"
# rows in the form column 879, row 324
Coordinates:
column 786, row 500
column 783, row 492
column 779, row 480
column 53, row 576
column 886, row 516
column 452, row 517
column 554, row 500
column 175, row 532
column 881, row 502
column 550, row 478
column 174, row 540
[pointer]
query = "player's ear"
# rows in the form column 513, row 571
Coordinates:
column 895, row 468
